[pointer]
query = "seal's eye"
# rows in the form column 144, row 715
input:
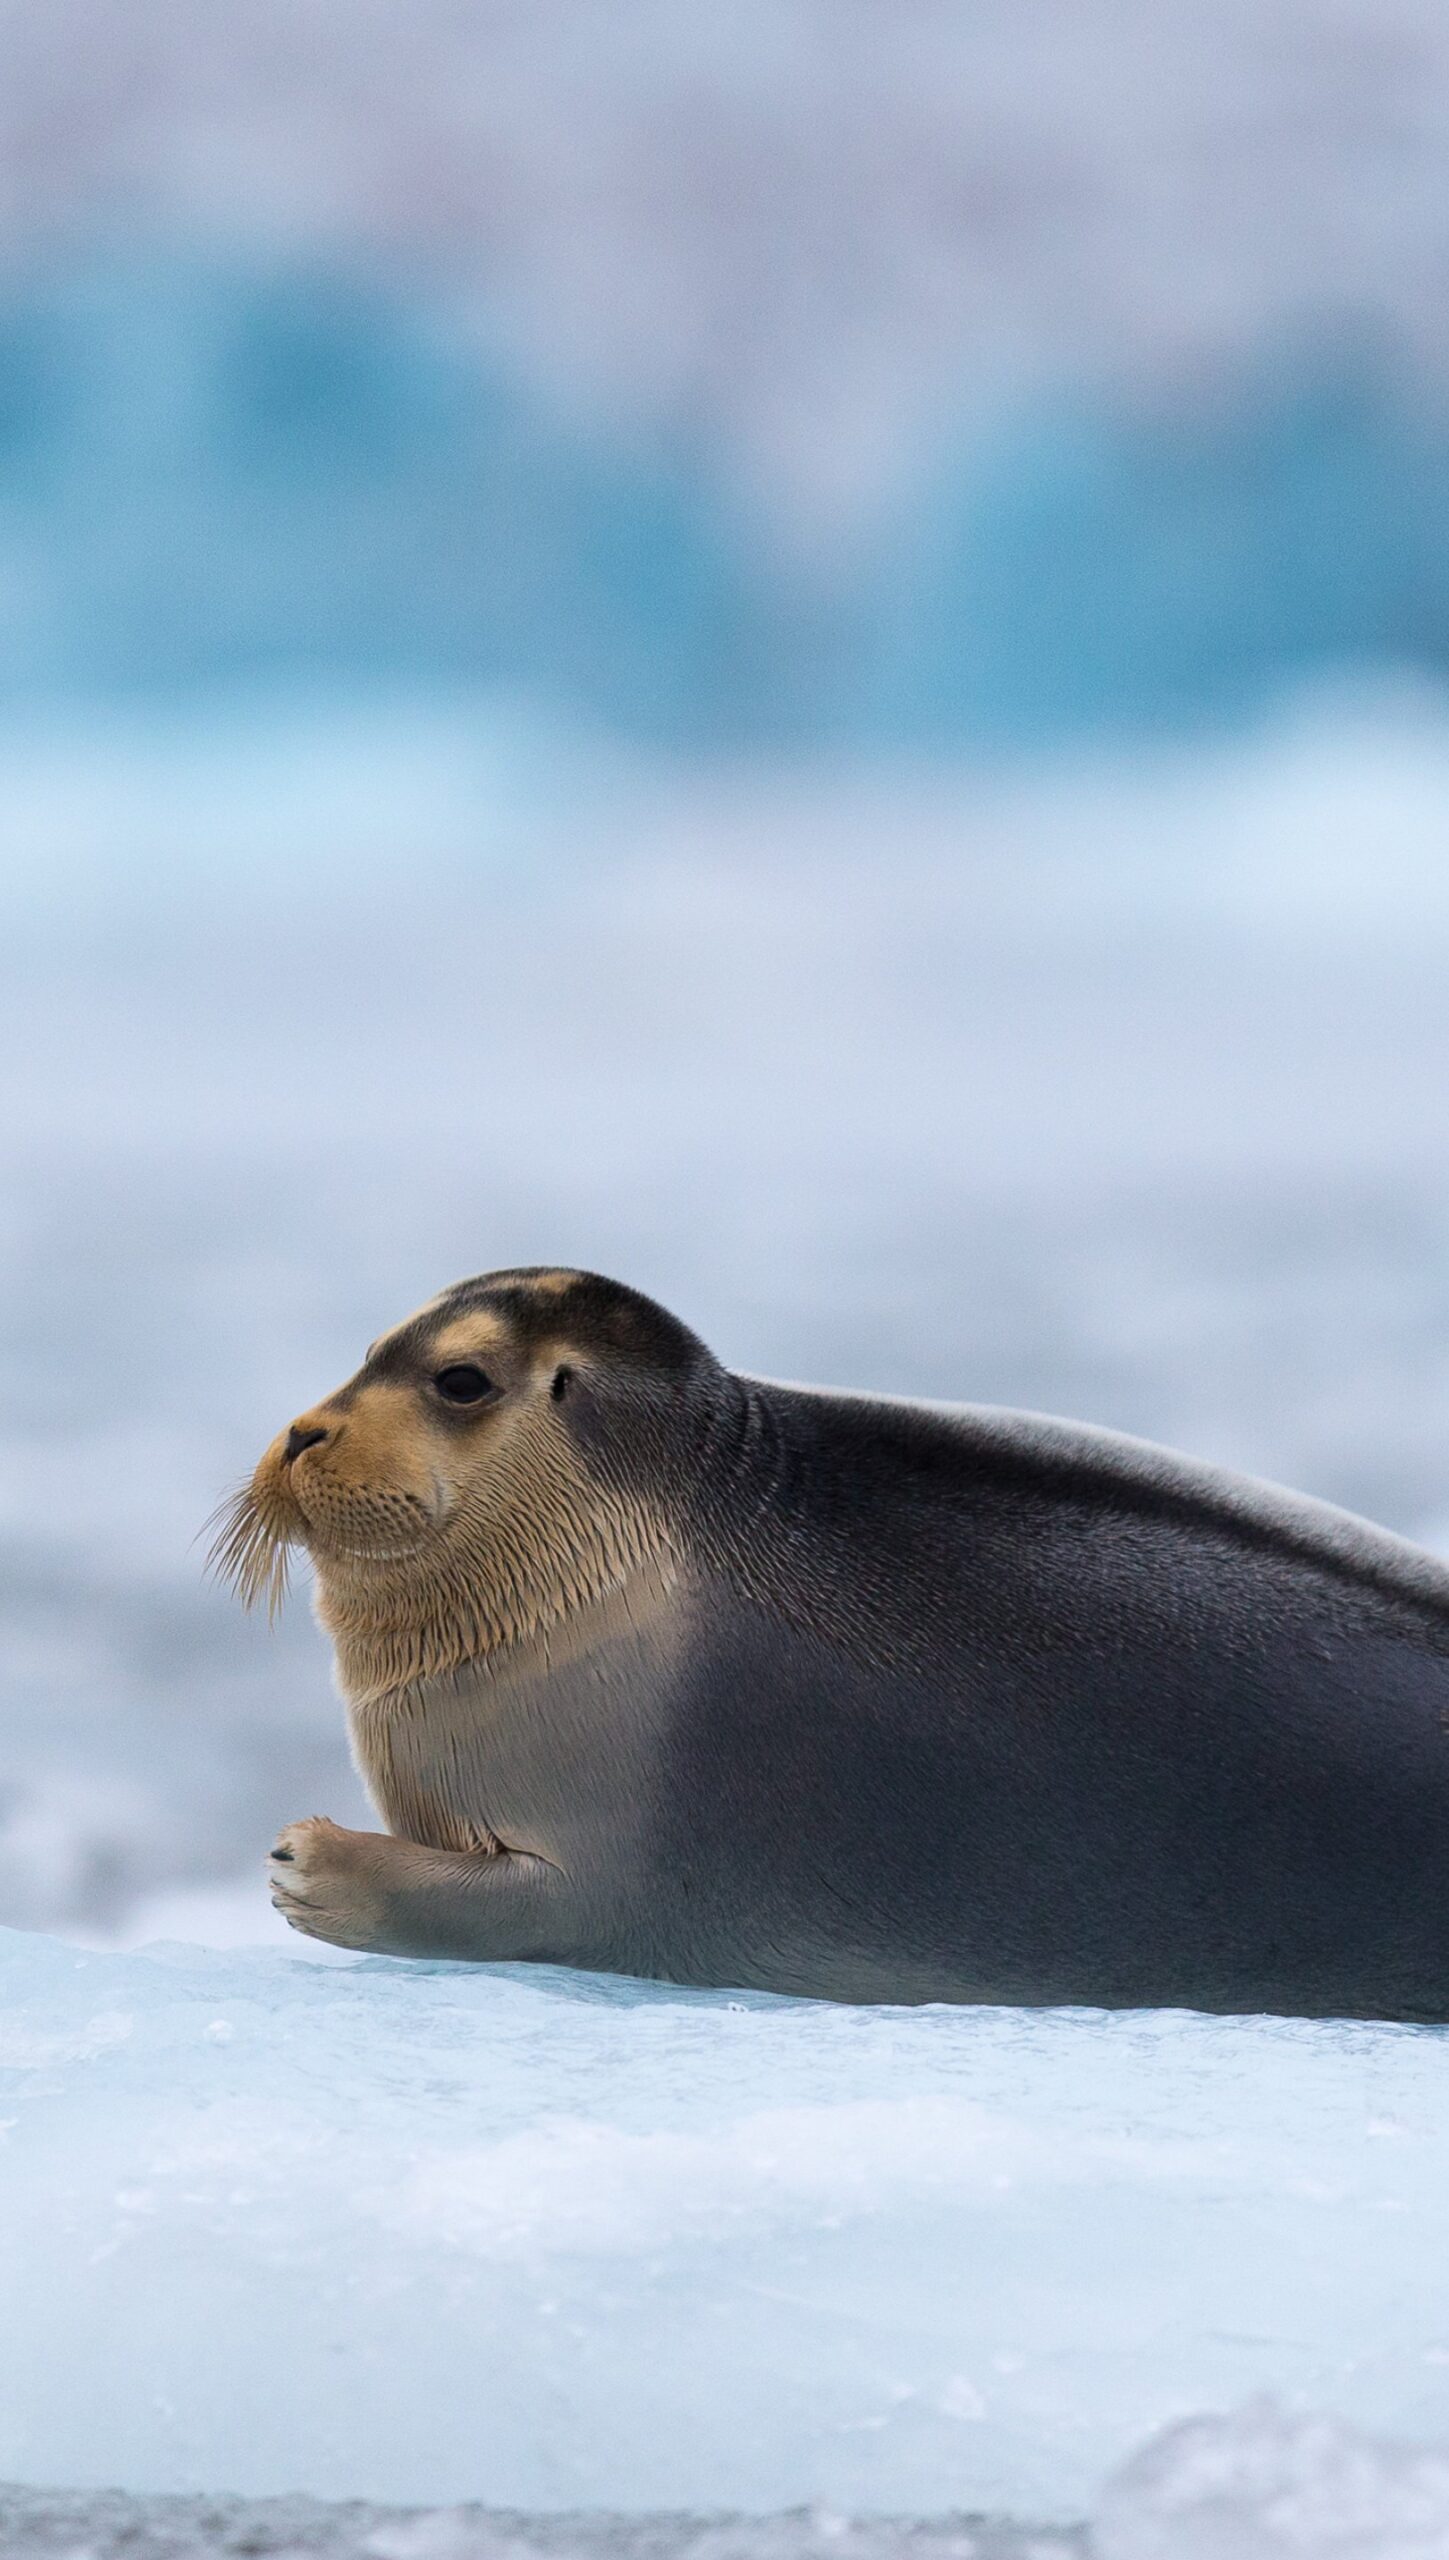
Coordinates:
column 463, row 1385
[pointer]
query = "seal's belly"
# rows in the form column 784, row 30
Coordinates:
column 426, row 1771
column 553, row 1749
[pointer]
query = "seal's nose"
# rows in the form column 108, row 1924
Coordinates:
column 300, row 1437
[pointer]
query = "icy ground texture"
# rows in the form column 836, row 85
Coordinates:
column 550, row 2242
column 73, row 2526
column 1256, row 2485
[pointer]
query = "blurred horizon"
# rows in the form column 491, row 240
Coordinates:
column 762, row 384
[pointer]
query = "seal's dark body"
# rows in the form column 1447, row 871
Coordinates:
column 891, row 1701
column 978, row 1707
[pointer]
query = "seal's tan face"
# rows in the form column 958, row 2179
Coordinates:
column 384, row 1464
column 380, row 1468
column 439, row 1494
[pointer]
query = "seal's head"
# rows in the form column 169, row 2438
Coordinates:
column 500, row 1457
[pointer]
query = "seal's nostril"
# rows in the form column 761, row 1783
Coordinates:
column 298, row 1440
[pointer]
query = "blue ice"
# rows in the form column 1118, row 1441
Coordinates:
column 550, row 2241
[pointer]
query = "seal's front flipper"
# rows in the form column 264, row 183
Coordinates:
column 385, row 1896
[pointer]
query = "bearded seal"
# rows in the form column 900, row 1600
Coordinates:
column 655, row 1669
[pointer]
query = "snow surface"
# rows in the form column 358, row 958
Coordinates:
column 74, row 2525
column 1260, row 2484
column 556, row 2242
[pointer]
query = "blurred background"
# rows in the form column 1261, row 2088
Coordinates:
column 800, row 652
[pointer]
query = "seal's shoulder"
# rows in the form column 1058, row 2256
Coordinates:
column 973, row 1450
